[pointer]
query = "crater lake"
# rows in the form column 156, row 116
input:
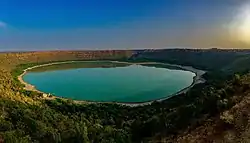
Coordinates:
column 109, row 81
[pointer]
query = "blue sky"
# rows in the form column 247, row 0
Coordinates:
column 113, row 24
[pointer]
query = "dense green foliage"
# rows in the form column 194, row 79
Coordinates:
column 63, row 120
column 43, row 124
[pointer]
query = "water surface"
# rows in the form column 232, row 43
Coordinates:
column 109, row 82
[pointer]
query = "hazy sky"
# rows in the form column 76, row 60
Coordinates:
column 123, row 24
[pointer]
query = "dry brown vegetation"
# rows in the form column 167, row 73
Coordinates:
column 9, row 60
column 232, row 126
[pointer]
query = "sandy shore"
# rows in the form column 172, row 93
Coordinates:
column 197, row 79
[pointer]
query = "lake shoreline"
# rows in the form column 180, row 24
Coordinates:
column 196, row 80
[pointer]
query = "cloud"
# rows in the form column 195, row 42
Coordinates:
column 3, row 24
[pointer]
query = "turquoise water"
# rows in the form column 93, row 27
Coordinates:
column 130, row 83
